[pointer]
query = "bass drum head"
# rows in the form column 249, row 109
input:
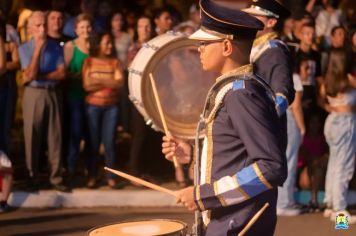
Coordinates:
column 152, row 227
column 181, row 83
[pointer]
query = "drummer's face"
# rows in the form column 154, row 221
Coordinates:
column 211, row 55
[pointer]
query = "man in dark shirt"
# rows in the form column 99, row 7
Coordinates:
column 242, row 160
column 55, row 26
column 306, row 54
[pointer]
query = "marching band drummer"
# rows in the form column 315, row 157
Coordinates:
column 242, row 159
column 269, row 55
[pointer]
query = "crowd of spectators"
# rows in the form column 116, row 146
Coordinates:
column 74, row 73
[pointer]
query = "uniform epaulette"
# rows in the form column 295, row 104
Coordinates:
column 238, row 84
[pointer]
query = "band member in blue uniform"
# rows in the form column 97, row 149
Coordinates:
column 270, row 56
column 240, row 160
column 273, row 62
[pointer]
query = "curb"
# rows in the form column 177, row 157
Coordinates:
column 117, row 198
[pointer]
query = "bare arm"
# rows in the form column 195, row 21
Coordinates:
column 2, row 57
column 96, row 81
column 88, row 83
column 298, row 112
column 310, row 5
column 352, row 80
column 68, row 53
column 14, row 64
column 58, row 74
column 31, row 72
column 118, row 80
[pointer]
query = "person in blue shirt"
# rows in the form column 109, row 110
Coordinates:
column 42, row 65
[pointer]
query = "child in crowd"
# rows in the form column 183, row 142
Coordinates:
column 313, row 159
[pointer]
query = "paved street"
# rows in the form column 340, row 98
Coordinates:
column 77, row 221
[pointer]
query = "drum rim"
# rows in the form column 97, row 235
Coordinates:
column 140, row 220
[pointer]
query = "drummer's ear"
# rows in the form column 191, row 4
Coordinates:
column 227, row 48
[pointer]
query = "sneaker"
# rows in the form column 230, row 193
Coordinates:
column 61, row 188
column 289, row 211
column 4, row 207
column 313, row 207
column 328, row 212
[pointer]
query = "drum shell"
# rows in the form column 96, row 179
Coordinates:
column 195, row 90
column 101, row 230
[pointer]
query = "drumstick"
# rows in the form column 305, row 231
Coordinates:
column 141, row 181
column 253, row 220
column 165, row 127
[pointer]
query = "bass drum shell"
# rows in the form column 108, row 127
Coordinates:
column 154, row 227
column 182, row 85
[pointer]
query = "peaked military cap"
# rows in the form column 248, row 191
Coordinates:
column 269, row 8
column 218, row 22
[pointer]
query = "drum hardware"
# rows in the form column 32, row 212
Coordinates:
column 135, row 101
column 137, row 72
column 147, row 45
column 174, row 61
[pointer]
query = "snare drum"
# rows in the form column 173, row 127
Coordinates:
column 144, row 227
column 182, row 85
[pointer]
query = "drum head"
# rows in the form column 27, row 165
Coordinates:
column 181, row 83
column 143, row 227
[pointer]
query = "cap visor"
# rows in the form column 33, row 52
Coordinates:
column 201, row 35
column 254, row 11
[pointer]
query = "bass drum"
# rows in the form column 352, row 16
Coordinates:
column 182, row 85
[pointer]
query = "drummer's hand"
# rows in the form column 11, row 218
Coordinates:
column 186, row 197
column 172, row 146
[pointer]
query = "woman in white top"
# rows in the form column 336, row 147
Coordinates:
column 122, row 40
column 340, row 132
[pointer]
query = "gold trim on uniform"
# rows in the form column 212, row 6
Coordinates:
column 260, row 175
column 264, row 38
column 209, row 161
column 217, row 34
column 200, row 202
column 216, row 193
column 239, row 71
column 240, row 189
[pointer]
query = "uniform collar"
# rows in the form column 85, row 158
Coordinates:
column 264, row 38
column 246, row 69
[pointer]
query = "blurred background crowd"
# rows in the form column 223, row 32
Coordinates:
column 83, row 124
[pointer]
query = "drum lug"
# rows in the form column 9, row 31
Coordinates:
column 150, row 123
column 133, row 71
column 153, row 47
column 135, row 101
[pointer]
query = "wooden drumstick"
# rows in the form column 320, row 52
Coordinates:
column 253, row 220
column 163, row 119
column 141, row 181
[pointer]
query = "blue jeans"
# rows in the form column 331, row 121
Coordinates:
column 102, row 122
column 340, row 134
column 76, row 112
column 286, row 193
